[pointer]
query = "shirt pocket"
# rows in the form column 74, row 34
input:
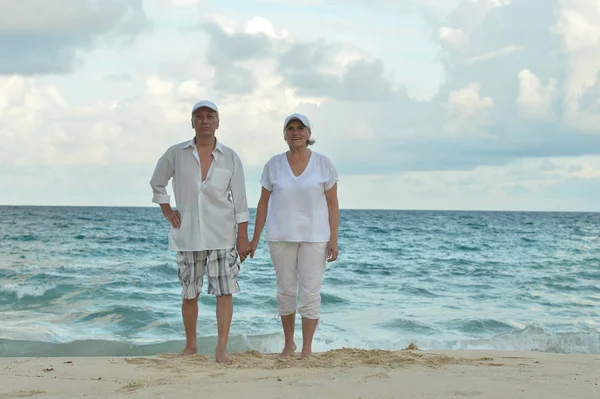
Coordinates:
column 220, row 178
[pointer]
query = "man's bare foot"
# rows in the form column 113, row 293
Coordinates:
column 188, row 351
column 287, row 351
column 305, row 354
column 223, row 358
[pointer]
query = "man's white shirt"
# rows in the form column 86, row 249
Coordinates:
column 211, row 209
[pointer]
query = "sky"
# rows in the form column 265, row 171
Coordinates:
column 420, row 104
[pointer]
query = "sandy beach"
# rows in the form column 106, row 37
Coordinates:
column 343, row 373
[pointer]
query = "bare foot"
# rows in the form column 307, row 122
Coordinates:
column 188, row 351
column 223, row 358
column 305, row 354
column 287, row 351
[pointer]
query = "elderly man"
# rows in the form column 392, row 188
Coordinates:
column 209, row 223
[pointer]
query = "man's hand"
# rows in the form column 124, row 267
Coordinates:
column 174, row 217
column 332, row 251
column 243, row 248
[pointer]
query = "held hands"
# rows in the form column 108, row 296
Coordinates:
column 243, row 248
column 332, row 251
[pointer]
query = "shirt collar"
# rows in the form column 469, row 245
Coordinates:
column 192, row 143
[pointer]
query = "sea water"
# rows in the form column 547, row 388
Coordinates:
column 86, row 281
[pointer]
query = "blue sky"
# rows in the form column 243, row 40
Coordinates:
column 430, row 104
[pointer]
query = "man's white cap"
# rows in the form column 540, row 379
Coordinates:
column 296, row 116
column 207, row 104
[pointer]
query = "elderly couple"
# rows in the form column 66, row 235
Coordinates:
column 209, row 228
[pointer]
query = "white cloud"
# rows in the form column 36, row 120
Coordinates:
column 52, row 38
column 439, row 9
column 579, row 27
column 578, row 24
column 469, row 14
column 535, row 99
column 35, row 115
column 587, row 171
column 23, row 103
column 260, row 25
column 73, row 16
column 495, row 54
column 158, row 86
column 392, row 149
column 185, row 3
column 454, row 37
column 189, row 89
column 468, row 113
column 558, row 184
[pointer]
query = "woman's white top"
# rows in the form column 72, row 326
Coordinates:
column 297, row 208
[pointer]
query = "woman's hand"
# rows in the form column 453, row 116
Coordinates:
column 253, row 246
column 332, row 251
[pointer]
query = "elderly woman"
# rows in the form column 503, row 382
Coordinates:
column 299, row 204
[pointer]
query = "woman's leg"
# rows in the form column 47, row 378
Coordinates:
column 284, row 256
column 311, row 267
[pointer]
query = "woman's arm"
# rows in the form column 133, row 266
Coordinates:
column 261, row 218
column 334, row 221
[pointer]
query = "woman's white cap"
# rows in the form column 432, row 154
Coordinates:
column 296, row 116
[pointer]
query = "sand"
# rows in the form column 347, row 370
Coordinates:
column 343, row 373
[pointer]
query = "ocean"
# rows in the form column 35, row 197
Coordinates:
column 100, row 281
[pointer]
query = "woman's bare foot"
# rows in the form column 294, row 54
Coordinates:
column 287, row 351
column 305, row 354
column 223, row 358
column 188, row 351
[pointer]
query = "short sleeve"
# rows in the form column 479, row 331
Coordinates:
column 265, row 178
column 332, row 174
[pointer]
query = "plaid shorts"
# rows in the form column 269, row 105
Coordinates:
column 220, row 265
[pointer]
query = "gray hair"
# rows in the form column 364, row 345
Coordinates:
column 310, row 141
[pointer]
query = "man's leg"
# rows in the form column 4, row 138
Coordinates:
column 311, row 267
column 284, row 256
column 224, row 316
column 190, row 272
column 223, row 269
column 189, row 312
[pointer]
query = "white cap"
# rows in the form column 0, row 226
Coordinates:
column 207, row 104
column 296, row 116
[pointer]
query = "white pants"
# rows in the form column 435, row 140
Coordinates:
column 299, row 267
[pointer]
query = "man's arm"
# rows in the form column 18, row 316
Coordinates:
column 243, row 231
column 237, row 186
column 163, row 172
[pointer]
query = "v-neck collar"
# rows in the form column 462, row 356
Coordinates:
column 287, row 161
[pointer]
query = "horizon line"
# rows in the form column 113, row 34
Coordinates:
column 341, row 209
